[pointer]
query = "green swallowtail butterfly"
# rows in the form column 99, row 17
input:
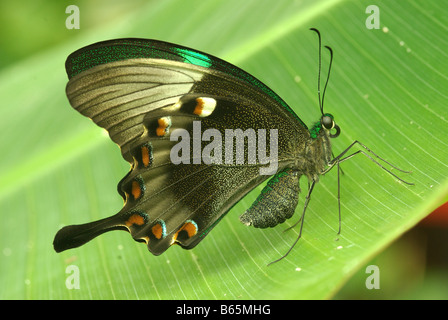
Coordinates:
column 199, row 133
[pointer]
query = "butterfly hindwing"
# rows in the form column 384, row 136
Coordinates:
column 185, row 200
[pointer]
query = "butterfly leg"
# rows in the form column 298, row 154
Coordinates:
column 340, row 158
column 302, row 218
column 369, row 154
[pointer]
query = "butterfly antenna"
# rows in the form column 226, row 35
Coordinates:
column 320, row 67
column 328, row 76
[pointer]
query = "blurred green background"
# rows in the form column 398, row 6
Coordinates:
column 43, row 154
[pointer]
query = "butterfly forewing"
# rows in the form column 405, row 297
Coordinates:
column 118, row 95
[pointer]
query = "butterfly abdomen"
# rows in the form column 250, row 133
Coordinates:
column 276, row 203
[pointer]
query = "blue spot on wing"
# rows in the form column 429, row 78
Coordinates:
column 194, row 57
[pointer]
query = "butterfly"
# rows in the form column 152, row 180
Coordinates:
column 199, row 134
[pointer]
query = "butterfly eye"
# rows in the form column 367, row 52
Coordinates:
column 327, row 122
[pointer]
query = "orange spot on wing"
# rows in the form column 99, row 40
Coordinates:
column 164, row 124
column 145, row 156
column 199, row 106
column 157, row 231
column 135, row 219
column 136, row 190
column 160, row 131
column 190, row 227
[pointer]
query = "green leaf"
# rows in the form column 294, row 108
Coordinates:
column 387, row 89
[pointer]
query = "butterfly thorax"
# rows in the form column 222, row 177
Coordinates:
column 316, row 156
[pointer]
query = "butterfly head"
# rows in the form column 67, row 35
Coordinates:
column 327, row 123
